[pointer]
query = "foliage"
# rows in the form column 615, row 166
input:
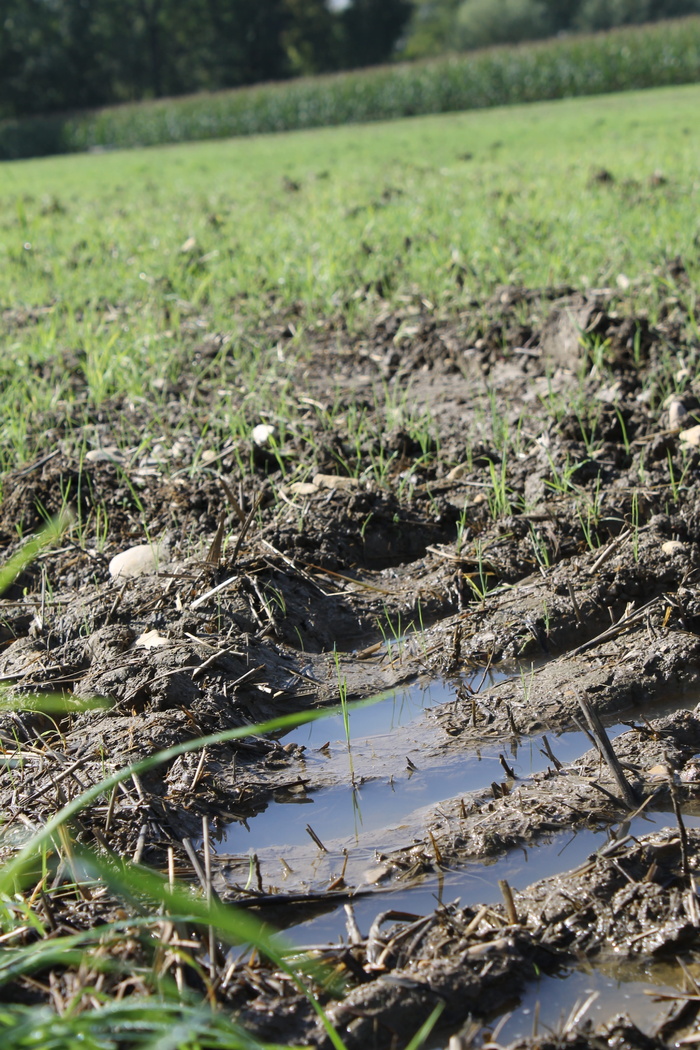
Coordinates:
column 480, row 23
column 625, row 59
column 118, row 262
column 604, row 14
column 446, row 25
column 71, row 54
column 430, row 31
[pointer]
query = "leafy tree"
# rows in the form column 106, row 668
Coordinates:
column 371, row 29
column 430, row 30
column 561, row 14
column 442, row 25
column 483, row 22
column 312, row 41
column 605, row 14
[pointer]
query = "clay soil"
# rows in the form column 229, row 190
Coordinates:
column 544, row 522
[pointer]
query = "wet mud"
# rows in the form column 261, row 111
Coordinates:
column 505, row 554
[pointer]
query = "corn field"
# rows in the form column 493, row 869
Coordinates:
column 661, row 54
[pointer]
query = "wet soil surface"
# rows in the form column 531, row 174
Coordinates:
column 505, row 550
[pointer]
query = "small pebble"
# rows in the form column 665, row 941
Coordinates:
column 335, row 481
column 150, row 640
column 104, row 455
column 677, row 414
column 136, row 561
column 263, row 433
column 303, row 488
column 691, row 436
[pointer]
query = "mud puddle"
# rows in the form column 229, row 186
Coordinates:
column 478, row 882
column 310, row 839
column 555, row 1004
column 369, row 796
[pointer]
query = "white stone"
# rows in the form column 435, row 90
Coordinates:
column 262, row 434
column 136, row 561
column 303, row 488
column 677, row 414
column 335, row 481
column 104, row 455
column 150, row 640
column 691, row 436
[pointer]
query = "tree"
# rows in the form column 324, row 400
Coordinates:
column 605, row 14
column 312, row 40
column 430, row 30
column 483, row 22
column 67, row 54
column 371, row 29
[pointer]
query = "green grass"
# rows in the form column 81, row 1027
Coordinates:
column 118, row 265
column 621, row 60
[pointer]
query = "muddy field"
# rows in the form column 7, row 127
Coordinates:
column 510, row 562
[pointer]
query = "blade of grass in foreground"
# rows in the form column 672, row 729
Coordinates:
column 224, row 918
column 179, row 1021
column 151, row 1024
column 23, row 557
column 11, row 872
column 129, row 881
column 164, row 1025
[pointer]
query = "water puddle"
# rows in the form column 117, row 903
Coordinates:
column 553, row 1003
column 398, row 769
column 397, row 711
column 477, row 882
column 305, row 841
column 341, row 816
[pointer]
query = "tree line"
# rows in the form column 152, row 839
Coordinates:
column 437, row 26
column 58, row 55
column 62, row 55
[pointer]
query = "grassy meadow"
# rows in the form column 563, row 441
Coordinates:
column 119, row 261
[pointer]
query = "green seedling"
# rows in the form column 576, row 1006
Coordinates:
column 526, row 682
column 540, row 547
column 499, row 495
column 479, row 581
column 343, row 697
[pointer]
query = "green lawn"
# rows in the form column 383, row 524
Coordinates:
column 314, row 218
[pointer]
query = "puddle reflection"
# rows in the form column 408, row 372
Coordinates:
column 347, row 818
column 398, row 709
column 400, row 771
column 477, row 882
column 551, row 1002
column 343, row 813
column 389, row 736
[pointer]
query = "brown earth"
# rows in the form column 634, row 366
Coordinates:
column 570, row 560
